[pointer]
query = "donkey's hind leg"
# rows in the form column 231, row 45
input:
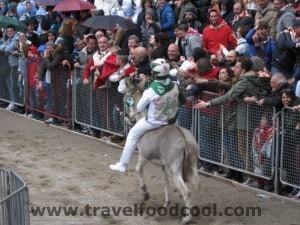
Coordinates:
column 166, row 186
column 186, row 194
column 140, row 172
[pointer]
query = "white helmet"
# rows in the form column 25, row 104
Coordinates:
column 160, row 67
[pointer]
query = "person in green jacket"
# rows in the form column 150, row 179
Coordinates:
column 247, row 85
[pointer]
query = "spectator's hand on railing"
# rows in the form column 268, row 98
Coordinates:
column 296, row 107
column 77, row 65
column 200, row 105
column 121, row 74
column 260, row 102
column 40, row 85
column 97, row 73
column 66, row 62
column 182, row 73
column 86, row 81
column 250, row 99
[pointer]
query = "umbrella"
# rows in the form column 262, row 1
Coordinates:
column 108, row 22
column 7, row 20
column 73, row 5
column 48, row 2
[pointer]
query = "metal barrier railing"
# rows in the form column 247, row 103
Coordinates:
column 14, row 202
column 100, row 109
column 55, row 99
column 12, row 80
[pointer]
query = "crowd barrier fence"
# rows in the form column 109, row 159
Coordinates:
column 14, row 202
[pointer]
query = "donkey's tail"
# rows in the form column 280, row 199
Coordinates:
column 190, row 173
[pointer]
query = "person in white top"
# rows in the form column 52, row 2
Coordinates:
column 162, row 99
column 106, row 5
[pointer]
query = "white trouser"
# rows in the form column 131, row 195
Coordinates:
column 140, row 128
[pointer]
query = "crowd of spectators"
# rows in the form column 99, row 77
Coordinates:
column 241, row 50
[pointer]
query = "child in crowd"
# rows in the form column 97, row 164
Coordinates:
column 33, row 61
column 261, row 149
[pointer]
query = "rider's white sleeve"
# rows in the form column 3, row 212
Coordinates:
column 145, row 100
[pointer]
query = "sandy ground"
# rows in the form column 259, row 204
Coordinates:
column 65, row 169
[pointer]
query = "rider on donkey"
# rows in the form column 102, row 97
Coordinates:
column 162, row 100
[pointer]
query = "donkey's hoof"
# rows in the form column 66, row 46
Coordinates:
column 186, row 220
column 167, row 204
column 146, row 196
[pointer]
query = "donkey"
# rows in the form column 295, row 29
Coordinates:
column 175, row 150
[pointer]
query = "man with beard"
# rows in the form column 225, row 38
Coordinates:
column 229, row 59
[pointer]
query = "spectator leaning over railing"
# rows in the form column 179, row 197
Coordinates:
column 278, row 82
column 224, row 83
column 241, row 89
column 90, row 74
column 10, row 69
column 125, row 69
column 291, row 120
column 53, row 55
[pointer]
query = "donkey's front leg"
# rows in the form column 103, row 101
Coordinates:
column 139, row 170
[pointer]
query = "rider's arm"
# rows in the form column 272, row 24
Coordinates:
column 145, row 100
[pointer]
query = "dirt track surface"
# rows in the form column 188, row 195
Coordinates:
column 65, row 169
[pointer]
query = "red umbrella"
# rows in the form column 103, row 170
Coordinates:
column 73, row 5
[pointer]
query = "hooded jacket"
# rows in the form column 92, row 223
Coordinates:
column 213, row 36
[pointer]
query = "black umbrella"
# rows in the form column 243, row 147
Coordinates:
column 108, row 22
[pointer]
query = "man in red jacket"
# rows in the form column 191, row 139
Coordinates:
column 217, row 33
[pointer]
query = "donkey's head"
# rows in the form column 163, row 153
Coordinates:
column 134, row 91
